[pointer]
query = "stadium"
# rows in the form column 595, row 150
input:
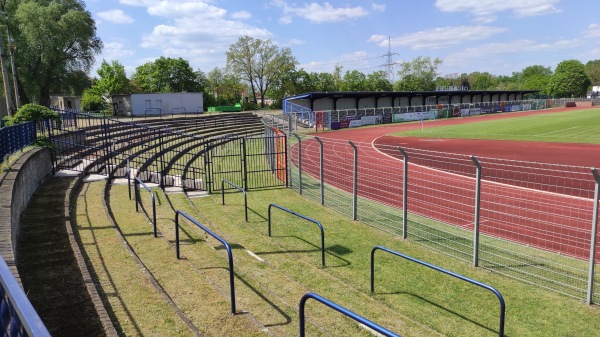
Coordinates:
column 464, row 213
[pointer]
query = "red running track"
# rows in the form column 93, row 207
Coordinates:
column 548, row 206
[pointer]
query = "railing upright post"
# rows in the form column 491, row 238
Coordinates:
column 404, row 194
column 177, row 234
column 354, row 183
column 299, row 163
column 321, row 171
column 136, row 192
column 477, row 209
column 591, row 268
column 128, row 178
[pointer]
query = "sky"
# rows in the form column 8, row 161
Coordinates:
column 495, row 36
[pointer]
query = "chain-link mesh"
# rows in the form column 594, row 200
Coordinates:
column 534, row 218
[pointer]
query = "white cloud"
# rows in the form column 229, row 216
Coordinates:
column 593, row 30
column 437, row 38
column 320, row 13
column 241, row 15
column 116, row 16
column 378, row 7
column 486, row 10
column 198, row 31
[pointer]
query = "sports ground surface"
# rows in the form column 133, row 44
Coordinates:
column 562, row 226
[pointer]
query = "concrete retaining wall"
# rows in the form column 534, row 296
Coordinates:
column 17, row 185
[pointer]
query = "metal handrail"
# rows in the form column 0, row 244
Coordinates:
column 305, row 218
column 342, row 310
column 136, row 188
column 22, row 315
column 447, row 272
column 240, row 189
column 218, row 238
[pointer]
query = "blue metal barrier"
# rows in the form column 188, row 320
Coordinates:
column 447, row 272
column 208, row 231
column 136, row 188
column 305, row 218
column 17, row 315
column 342, row 310
column 14, row 138
column 240, row 189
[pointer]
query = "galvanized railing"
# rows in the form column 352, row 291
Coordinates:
column 17, row 315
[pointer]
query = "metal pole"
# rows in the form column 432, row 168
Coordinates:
column 299, row 163
column 11, row 48
column 477, row 207
column 404, row 195
column 7, row 92
column 590, row 288
column 321, row 173
column 354, row 183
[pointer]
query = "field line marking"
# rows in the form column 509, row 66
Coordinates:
column 551, row 132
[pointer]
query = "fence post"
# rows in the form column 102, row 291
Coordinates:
column 299, row 162
column 404, row 194
column 244, row 164
column 590, row 288
column 477, row 207
column 321, row 175
column 354, row 182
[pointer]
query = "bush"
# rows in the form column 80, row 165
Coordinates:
column 92, row 102
column 32, row 112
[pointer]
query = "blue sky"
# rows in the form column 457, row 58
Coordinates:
column 499, row 37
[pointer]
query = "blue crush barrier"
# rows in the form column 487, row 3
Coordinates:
column 342, row 310
column 218, row 238
column 305, row 218
column 138, row 200
column 223, row 182
column 447, row 272
column 17, row 315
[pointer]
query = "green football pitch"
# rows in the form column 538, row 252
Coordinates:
column 578, row 126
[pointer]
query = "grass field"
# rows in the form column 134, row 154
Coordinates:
column 578, row 126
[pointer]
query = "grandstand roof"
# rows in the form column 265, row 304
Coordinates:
column 395, row 94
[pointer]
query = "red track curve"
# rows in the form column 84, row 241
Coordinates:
column 557, row 220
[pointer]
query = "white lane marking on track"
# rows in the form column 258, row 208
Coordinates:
column 483, row 180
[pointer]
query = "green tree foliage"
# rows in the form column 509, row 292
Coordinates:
column 113, row 79
column 56, row 43
column 569, row 80
column 92, row 101
column 418, row 74
column 592, row 69
column 224, row 87
column 354, row 80
column 377, row 81
column 260, row 63
column 32, row 112
column 166, row 74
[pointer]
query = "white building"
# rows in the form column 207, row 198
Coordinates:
column 166, row 103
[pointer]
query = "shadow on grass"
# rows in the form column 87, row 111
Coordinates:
column 441, row 307
column 334, row 251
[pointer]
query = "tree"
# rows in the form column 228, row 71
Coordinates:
column 377, row 81
column 113, row 79
column 166, row 74
column 418, row 74
column 92, row 101
column 56, row 43
column 354, row 81
column 569, row 80
column 260, row 63
column 592, row 69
